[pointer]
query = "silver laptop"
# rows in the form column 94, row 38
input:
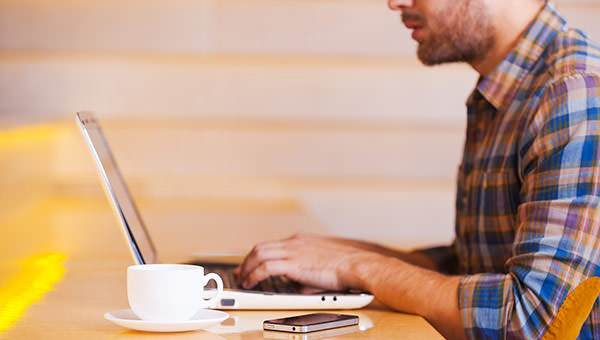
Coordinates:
column 273, row 293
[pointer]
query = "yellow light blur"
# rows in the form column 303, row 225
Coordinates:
column 16, row 136
column 39, row 274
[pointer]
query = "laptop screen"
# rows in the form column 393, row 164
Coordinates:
column 140, row 244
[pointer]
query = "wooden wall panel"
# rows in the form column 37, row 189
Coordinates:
column 282, row 89
column 287, row 152
column 401, row 219
column 366, row 28
column 356, row 27
column 114, row 25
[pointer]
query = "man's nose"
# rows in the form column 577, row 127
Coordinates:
column 396, row 5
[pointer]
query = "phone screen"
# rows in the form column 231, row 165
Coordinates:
column 312, row 319
column 310, row 322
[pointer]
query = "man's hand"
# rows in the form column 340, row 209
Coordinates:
column 314, row 261
column 399, row 280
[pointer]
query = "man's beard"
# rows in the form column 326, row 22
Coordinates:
column 460, row 33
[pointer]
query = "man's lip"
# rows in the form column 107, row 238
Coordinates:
column 413, row 25
column 415, row 34
column 416, row 26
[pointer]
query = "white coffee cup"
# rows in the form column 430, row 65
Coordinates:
column 169, row 292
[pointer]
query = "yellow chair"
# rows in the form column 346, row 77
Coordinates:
column 574, row 311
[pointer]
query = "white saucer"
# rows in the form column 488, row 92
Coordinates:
column 203, row 319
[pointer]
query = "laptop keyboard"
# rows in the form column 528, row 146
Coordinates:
column 273, row 284
column 278, row 284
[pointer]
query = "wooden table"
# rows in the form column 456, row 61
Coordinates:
column 72, row 246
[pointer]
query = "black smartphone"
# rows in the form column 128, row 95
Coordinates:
column 310, row 322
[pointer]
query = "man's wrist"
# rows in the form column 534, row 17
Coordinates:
column 358, row 270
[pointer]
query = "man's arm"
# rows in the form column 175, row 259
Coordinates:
column 411, row 289
column 441, row 259
column 317, row 261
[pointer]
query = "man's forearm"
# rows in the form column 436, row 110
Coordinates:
column 413, row 257
column 412, row 289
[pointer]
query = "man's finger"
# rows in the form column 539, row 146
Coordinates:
column 266, row 269
column 259, row 256
column 252, row 253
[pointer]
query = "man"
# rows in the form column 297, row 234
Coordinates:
column 528, row 193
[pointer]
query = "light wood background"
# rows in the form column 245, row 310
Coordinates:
column 311, row 115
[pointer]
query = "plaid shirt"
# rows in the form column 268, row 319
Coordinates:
column 528, row 196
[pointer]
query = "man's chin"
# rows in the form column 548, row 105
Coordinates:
column 428, row 58
column 428, row 62
column 431, row 57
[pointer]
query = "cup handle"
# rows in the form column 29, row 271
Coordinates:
column 212, row 301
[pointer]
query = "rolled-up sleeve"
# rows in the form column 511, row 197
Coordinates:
column 556, row 243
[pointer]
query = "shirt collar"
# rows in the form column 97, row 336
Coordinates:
column 501, row 85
